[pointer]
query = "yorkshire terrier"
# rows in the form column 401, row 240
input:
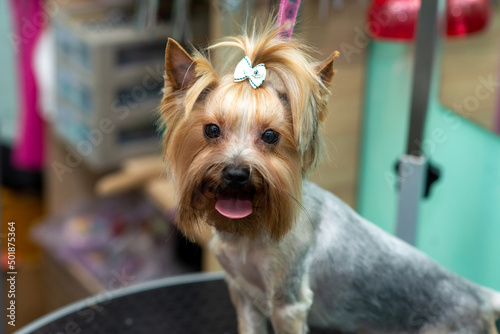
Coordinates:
column 242, row 133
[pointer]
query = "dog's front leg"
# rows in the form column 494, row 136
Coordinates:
column 250, row 319
column 290, row 307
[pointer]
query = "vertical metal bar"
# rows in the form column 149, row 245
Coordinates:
column 413, row 165
column 428, row 33
column 412, row 178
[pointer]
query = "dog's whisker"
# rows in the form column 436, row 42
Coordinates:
column 302, row 208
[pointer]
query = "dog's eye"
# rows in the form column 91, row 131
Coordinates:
column 212, row 131
column 270, row 137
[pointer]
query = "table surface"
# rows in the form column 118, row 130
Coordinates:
column 190, row 304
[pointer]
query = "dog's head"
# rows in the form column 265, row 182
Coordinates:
column 237, row 154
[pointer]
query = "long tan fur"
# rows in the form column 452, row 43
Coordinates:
column 200, row 91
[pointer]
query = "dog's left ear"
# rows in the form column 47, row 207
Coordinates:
column 325, row 69
column 179, row 66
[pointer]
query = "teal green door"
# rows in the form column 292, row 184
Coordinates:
column 459, row 224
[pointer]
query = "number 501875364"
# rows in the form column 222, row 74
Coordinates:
column 11, row 246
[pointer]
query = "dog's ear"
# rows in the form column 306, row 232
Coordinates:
column 179, row 66
column 310, row 132
column 325, row 69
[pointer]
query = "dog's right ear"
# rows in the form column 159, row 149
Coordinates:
column 179, row 66
column 325, row 69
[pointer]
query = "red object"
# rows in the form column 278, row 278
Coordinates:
column 467, row 16
column 397, row 19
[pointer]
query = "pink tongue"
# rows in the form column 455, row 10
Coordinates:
column 234, row 208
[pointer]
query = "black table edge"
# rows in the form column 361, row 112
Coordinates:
column 108, row 295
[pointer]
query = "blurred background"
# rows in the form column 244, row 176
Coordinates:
column 81, row 170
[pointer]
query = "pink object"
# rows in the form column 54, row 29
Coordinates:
column 28, row 19
column 234, row 208
column 397, row 19
column 287, row 15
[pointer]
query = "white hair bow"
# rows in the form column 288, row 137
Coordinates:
column 255, row 75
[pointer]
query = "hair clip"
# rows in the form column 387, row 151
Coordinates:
column 255, row 75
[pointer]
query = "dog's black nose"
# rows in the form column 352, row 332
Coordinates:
column 236, row 176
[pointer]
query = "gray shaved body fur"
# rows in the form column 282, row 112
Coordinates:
column 343, row 272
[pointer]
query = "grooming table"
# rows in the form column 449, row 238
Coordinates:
column 194, row 304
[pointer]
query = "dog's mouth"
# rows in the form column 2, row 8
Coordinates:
column 234, row 205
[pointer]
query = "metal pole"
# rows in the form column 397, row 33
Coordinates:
column 413, row 165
